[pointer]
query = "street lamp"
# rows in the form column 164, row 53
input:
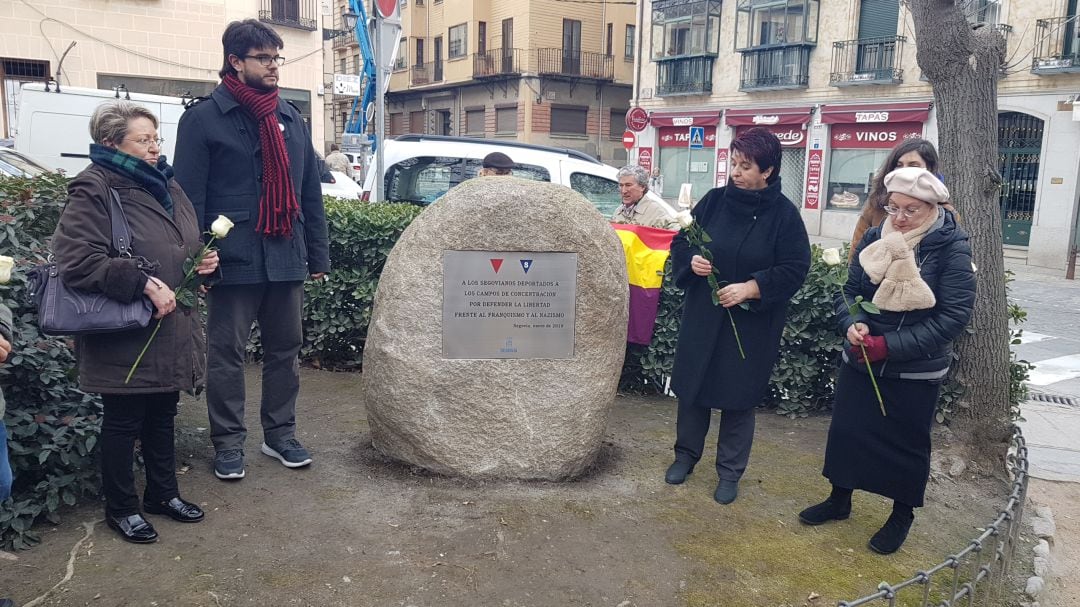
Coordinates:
column 349, row 20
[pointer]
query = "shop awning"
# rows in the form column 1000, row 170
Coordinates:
column 875, row 113
column 688, row 118
column 768, row 116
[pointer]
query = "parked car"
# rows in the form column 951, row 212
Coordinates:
column 357, row 162
column 421, row 168
column 341, row 187
column 17, row 164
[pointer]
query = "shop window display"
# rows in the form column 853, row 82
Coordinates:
column 850, row 174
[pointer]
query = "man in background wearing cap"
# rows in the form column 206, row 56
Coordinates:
column 496, row 163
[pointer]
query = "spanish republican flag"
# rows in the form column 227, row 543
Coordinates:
column 647, row 250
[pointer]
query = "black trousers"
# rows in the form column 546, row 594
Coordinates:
column 149, row 417
column 733, row 442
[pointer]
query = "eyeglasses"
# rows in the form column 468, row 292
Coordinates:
column 908, row 213
column 266, row 60
column 147, row 142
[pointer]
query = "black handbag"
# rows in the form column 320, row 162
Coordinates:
column 63, row 310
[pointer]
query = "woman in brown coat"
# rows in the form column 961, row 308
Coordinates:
column 909, row 153
column 124, row 159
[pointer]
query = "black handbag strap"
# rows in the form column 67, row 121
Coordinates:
column 121, row 232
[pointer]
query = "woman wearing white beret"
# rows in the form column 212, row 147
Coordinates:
column 916, row 267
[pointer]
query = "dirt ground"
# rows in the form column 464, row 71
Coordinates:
column 355, row 529
column 1063, row 589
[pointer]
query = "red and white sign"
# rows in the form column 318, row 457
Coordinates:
column 812, row 199
column 637, row 119
column 721, row 167
column 679, row 137
column 628, row 139
column 386, row 8
column 790, row 135
column 876, row 113
column 644, row 159
column 873, row 136
column 769, row 116
column 694, row 118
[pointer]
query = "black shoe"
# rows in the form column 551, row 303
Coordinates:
column 176, row 509
column 726, row 492
column 892, row 534
column 134, row 528
column 824, row 512
column 677, row 472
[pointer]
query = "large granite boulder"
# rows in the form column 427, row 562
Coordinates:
column 491, row 415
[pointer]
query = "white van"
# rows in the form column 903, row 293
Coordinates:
column 55, row 127
column 421, row 168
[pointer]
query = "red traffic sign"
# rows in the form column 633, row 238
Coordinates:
column 386, row 8
column 637, row 119
column 628, row 139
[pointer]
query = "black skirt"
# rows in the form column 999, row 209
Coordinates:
column 887, row 455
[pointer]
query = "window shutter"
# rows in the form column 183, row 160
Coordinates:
column 878, row 18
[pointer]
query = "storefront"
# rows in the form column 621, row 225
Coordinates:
column 860, row 139
column 789, row 126
column 686, row 143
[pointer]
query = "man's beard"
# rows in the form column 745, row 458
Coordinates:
column 257, row 83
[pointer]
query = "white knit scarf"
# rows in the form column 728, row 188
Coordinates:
column 890, row 263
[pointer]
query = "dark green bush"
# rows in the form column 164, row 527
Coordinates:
column 52, row 426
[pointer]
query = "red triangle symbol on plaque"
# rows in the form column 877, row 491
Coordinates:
column 496, row 264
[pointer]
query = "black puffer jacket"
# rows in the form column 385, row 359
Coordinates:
column 920, row 341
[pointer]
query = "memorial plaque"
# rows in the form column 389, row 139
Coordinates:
column 500, row 304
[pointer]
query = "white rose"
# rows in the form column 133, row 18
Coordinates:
column 831, row 257
column 221, row 226
column 684, row 218
column 6, row 263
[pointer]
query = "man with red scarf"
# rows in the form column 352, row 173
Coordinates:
column 247, row 154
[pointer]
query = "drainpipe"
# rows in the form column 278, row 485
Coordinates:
column 637, row 51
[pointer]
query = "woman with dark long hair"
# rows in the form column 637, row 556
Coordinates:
column 908, row 153
column 761, row 254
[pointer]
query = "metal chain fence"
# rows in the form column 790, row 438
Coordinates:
column 970, row 576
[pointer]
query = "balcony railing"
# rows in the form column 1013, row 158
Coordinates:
column 300, row 14
column 427, row 73
column 498, row 62
column 1057, row 48
column 867, row 61
column 575, row 63
column 684, row 76
column 775, row 68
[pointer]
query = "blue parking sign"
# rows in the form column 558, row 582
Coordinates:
column 697, row 137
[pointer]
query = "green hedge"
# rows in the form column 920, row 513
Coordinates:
column 52, row 426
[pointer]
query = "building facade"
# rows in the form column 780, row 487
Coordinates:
column 163, row 47
column 551, row 72
column 837, row 81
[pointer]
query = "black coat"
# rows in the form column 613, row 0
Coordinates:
column 219, row 165
column 756, row 234
column 919, row 342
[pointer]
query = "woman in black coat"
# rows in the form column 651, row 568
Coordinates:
column 916, row 267
column 762, row 254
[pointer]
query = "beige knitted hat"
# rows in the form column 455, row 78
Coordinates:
column 917, row 183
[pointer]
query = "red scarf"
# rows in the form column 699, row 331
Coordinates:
column 277, row 205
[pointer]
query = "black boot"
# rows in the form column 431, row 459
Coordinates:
column 892, row 534
column 677, row 472
column 836, row 508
